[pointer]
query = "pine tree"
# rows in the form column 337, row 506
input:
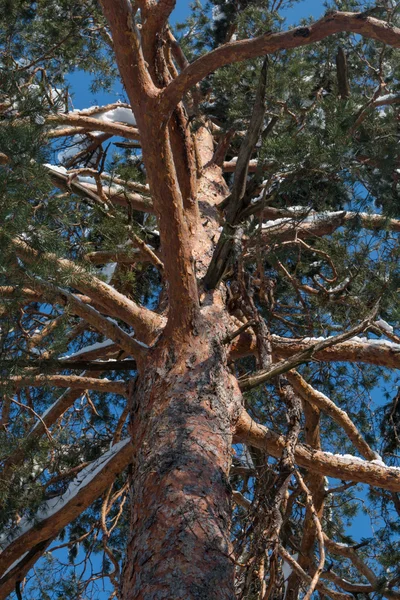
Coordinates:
column 199, row 302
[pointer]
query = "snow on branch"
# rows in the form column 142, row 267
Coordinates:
column 345, row 467
column 303, row 217
column 332, row 23
column 247, row 383
column 316, row 398
column 54, row 514
column 103, row 123
column 379, row 352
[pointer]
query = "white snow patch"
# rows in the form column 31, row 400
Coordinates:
column 10, row 568
column 117, row 115
column 90, row 348
column 287, row 571
column 381, row 323
column 86, row 179
column 388, row 98
column 56, row 168
column 108, row 271
column 340, row 286
column 356, row 339
column 55, row 505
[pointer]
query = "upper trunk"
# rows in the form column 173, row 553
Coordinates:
column 182, row 413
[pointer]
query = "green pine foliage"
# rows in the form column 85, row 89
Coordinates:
column 317, row 152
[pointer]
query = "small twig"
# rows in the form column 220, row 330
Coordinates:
column 231, row 336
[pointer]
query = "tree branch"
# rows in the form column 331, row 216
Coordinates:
column 303, row 575
column 88, row 123
column 250, row 432
column 224, row 246
column 69, row 381
column 247, row 383
column 309, row 394
column 374, row 352
column 333, row 22
column 57, row 513
column 145, row 321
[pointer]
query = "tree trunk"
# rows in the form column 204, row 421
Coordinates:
column 182, row 414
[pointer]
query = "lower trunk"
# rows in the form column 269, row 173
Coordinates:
column 182, row 415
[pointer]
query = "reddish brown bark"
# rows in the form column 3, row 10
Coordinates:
column 181, row 425
column 187, row 403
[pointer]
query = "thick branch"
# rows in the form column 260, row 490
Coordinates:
column 92, row 124
column 69, row 381
column 250, row 432
column 333, row 22
column 92, row 316
column 143, row 320
column 73, row 365
column 115, row 194
column 374, row 352
column 309, row 394
column 305, row 355
column 128, row 51
column 58, row 512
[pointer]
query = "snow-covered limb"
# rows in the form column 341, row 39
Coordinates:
column 248, row 382
column 308, row 393
column 86, row 350
column 95, row 124
column 58, row 512
column 116, row 112
column 348, row 468
column 358, row 349
column 292, row 225
column 109, row 327
column 115, row 194
column 116, row 304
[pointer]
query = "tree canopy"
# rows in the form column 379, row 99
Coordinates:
column 225, row 231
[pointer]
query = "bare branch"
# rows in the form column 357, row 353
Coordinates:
column 333, row 22
column 320, row 586
column 246, row 383
column 69, row 381
column 224, row 246
column 324, row 403
column 355, row 469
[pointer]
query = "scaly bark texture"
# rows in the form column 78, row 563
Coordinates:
column 182, row 417
column 186, row 405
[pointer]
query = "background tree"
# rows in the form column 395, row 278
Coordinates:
column 214, row 261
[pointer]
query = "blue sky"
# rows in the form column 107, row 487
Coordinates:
column 80, row 84
column 80, row 81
